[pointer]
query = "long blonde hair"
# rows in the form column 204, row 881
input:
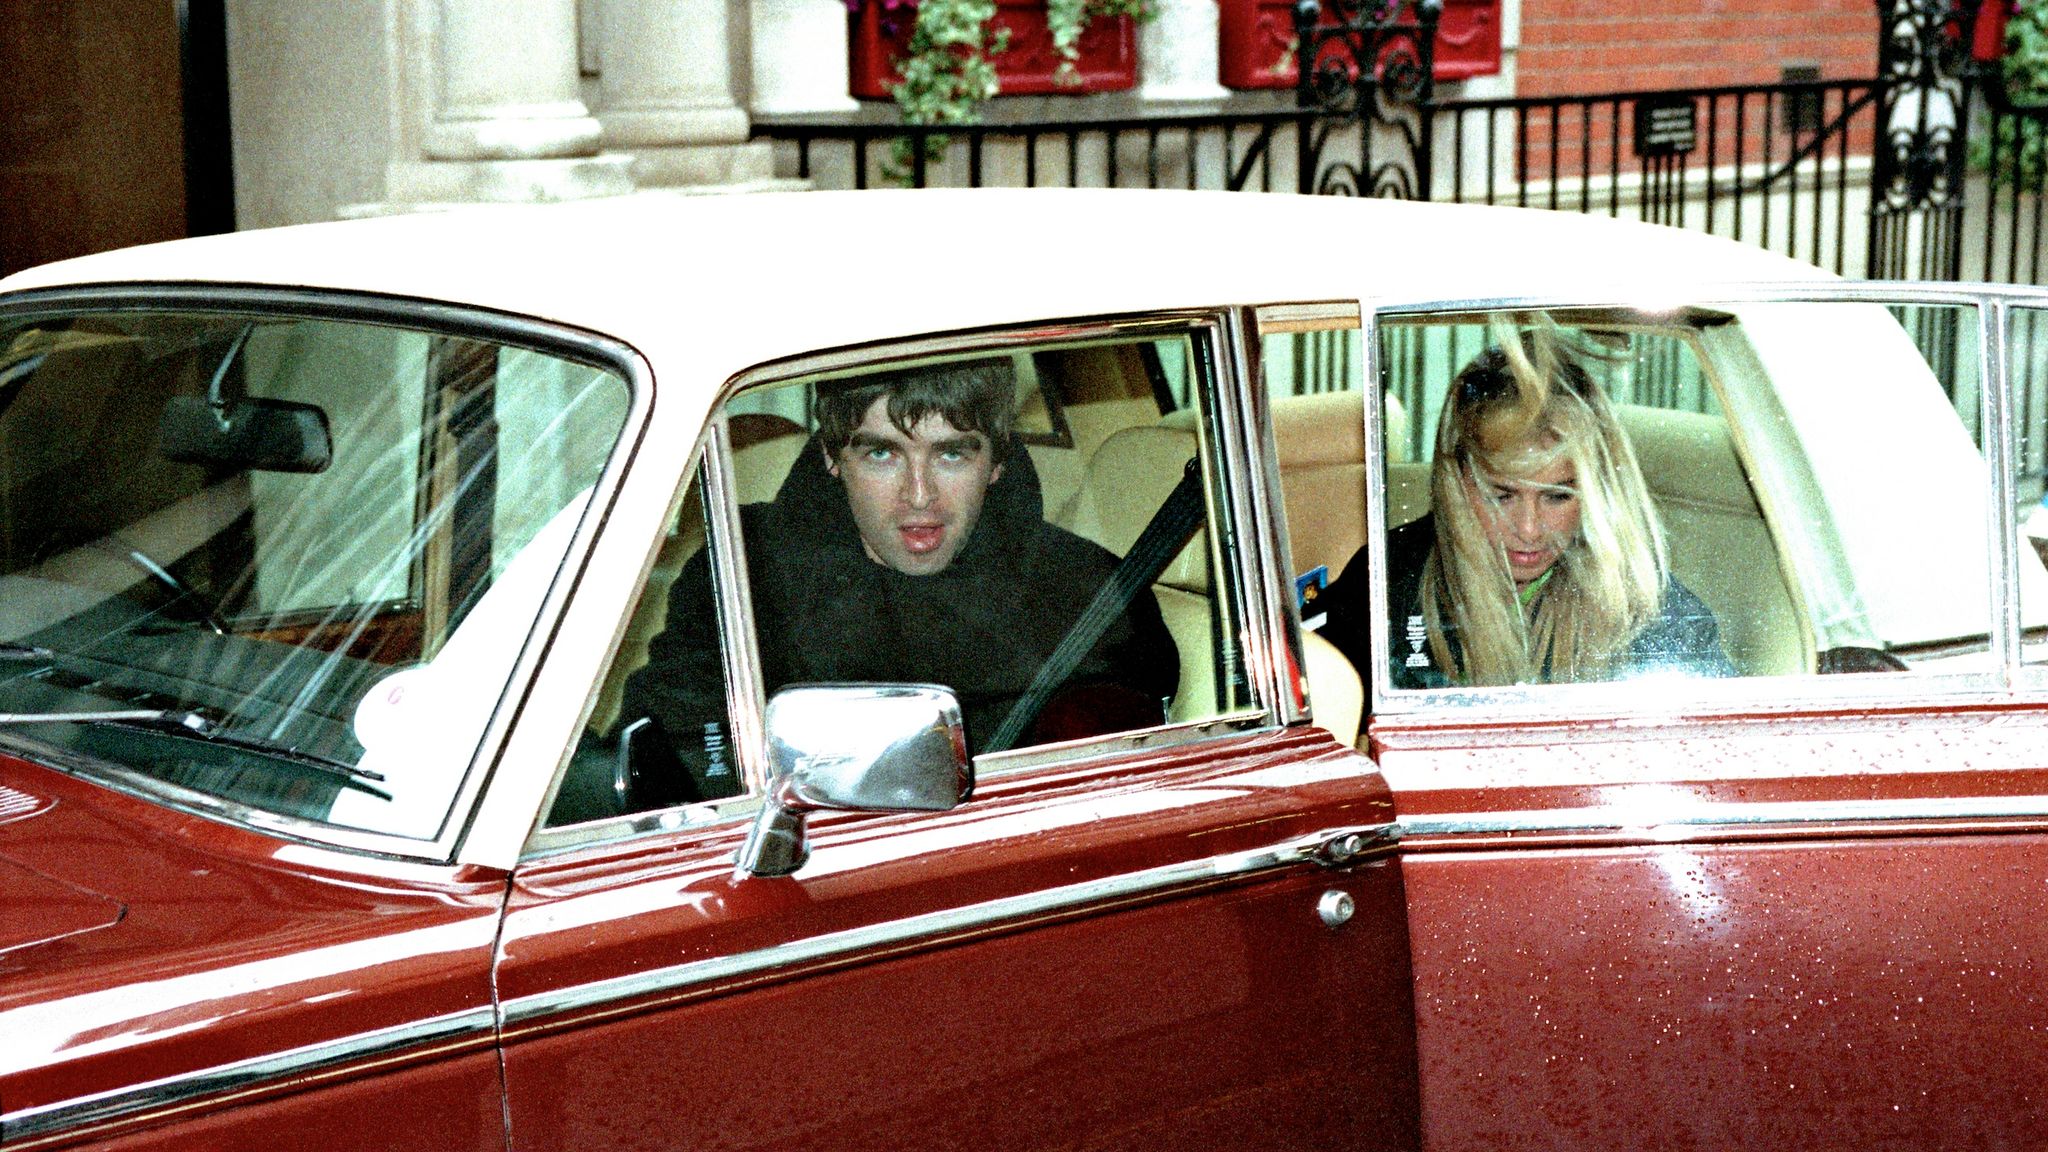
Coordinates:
column 1516, row 409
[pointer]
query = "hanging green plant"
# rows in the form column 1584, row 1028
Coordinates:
column 2026, row 52
column 2019, row 143
column 947, row 74
column 945, row 68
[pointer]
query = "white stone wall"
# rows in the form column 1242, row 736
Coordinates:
column 397, row 105
column 309, row 91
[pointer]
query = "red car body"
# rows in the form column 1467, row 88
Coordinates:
column 1788, row 908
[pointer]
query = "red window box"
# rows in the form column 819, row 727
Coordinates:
column 1108, row 63
column 1258, row 49
column 1989, row 43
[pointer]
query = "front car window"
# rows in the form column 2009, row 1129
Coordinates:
column 280, row 565
column 1700, row 493
column 946, row 519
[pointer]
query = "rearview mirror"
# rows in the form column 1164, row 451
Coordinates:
column 250, row 434
column 854, row 747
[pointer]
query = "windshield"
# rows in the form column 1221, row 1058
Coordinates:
column 315, row 547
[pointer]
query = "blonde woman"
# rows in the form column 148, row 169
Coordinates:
column 1543, row 559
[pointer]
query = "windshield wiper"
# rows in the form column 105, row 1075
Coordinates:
column 189, row 725
column 17, row 650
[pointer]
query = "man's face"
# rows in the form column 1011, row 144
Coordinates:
column 915, row 497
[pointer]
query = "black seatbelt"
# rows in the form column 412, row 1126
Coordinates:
column 1170, row 530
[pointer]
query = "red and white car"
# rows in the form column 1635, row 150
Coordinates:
column 325, row 551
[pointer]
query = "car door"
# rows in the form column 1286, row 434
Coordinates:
column 1796, row 906
column 1186, row 930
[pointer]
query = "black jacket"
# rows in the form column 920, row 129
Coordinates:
column 826, row 612
column 1685, row 638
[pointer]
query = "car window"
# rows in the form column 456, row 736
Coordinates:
column 922, row 548
column 950, row 520
column 1765, row 489
column 294, row 557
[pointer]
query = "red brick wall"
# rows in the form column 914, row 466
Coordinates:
column 1587, row 47
column 1574, row 46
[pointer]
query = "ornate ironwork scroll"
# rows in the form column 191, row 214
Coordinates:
column 1367, row 76
column 1916, row 188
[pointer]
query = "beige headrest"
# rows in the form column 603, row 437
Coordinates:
column 1688, row 456
column 1319, row 428
column 1324, row 428
column 1128, row 478
column 758, row 469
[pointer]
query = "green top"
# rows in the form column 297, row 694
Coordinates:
column 1527, row 594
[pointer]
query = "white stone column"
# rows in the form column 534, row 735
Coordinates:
column 1177, row 54
column 505, row 122
column 664, row 68
column 508, row 83
column 799, row 58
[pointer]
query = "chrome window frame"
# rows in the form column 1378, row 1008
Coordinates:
column 1740, row 695
column 432, row 317
column 1235, row 488
column 1294, row 697
column 1226, row 473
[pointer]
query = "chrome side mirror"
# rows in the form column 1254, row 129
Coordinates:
column 859, row 748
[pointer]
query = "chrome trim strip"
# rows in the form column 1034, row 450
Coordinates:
column 1378, row 646
column 526, row 1009
column 745, row 700
column 991, row 765
column 1671, row 821
column 1262, row 565
column 1994, row 407
column 123, row 1103
column 1294, row 700
column 1710, row 292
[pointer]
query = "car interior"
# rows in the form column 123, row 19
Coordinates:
column 1111, row 424
column 1110, row 429
column 1721, row 543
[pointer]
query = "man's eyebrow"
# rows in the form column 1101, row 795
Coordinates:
column 866, row 441
column 965, row 442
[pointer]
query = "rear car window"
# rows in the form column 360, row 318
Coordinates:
column 1769, row 489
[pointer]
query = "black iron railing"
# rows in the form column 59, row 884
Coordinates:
column 1860, row 176
column 2007, row 196
column 1242, row 152
column 1783, row 166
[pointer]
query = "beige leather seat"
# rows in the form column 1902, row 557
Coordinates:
column 1321, row 441
column 1721, row 545
column 1127, row 479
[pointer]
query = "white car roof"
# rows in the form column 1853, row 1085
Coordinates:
column 706, row 286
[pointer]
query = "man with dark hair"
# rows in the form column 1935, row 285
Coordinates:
column 916, row 451
column 908, row 544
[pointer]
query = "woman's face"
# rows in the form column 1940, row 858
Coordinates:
column 1533, row 518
